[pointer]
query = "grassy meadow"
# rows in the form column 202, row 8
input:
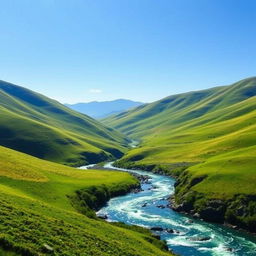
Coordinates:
column 48, row 204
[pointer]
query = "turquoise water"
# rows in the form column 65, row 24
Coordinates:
column 187, row 231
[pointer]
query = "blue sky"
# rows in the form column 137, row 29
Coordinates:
column 84, row 50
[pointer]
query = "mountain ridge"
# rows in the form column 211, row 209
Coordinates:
column 102, row 109
column 37, row 125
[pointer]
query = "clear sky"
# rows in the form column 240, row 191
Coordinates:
column 83, row 50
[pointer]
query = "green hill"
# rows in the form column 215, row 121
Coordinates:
column 208, row 139
column 42, row 127
column 44, row 206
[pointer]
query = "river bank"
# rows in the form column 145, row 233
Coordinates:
column 235, row 212
column 90, row 200
column 184, row 235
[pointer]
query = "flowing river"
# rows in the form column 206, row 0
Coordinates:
column 190, row 237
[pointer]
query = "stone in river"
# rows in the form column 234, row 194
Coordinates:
column 169, row 230
column 157, row 229
column 160, row 206
column 200, row 238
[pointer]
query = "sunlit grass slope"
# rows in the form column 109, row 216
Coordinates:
column 36, row 210
column 214, row 130
column 42, row 127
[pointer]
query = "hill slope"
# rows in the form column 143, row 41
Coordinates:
column 42, row 127
column 97, row 109
column 37, row 213
column 213, row 130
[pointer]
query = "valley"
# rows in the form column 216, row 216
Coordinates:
column 205, row 140
column 128, row 128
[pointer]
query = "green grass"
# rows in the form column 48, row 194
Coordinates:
column 42, row 127
column 214, row 130
column 233, row 171
column 40, row 202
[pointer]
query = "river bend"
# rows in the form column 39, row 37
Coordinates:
column 190, row 237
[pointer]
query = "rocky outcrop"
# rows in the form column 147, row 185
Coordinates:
column 144, row 179
column 237, row 212
column 214, row 211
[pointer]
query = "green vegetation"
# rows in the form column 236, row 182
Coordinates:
column 207, row 139
column 37, row 216
column 42, row 127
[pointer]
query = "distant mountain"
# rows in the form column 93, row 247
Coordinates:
column 42, row 127
column 97, row 109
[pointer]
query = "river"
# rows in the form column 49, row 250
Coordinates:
column 143, row 209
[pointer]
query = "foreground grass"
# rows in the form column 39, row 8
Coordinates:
column 36, row 210
column 207, row 139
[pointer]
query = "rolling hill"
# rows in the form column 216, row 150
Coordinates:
column 46, row 209
column 103, row 109
column 208, row 140
column 42, row 127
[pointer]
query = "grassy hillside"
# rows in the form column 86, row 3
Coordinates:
column 42, row 127
column 42, row 204
column 208, row 139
